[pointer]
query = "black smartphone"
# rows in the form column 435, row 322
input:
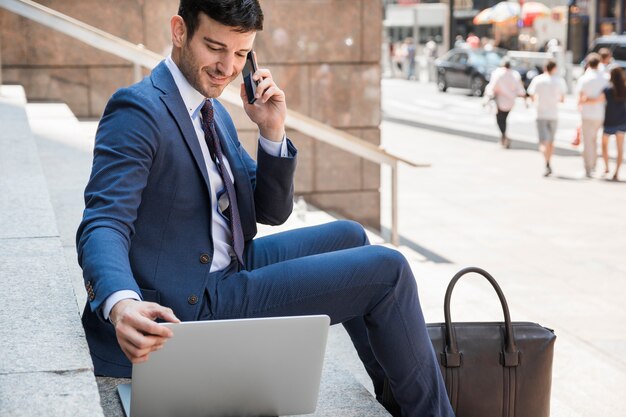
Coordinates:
column 248, row 70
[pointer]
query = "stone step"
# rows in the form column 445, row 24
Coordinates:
column 65, row 148
column 45, row 368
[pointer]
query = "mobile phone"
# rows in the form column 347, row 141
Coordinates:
column 249, row 69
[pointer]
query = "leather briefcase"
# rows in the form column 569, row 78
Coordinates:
column 501, row 369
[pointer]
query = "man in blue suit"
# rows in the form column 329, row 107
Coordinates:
column 170, row 218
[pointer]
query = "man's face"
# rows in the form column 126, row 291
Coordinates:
column 214, row 56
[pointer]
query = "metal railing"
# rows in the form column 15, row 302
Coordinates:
column 141, row 57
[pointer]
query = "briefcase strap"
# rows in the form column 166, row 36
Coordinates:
column 510, row 356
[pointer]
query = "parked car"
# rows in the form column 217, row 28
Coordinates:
column 467, row 68
column 472, row 68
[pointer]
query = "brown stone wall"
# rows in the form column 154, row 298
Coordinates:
column 325, row 54
column 54, row 66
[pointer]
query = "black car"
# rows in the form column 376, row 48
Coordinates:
column 471, row 69
column 467, row 68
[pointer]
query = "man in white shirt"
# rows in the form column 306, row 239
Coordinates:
column 591, row 85
column 505, row 85
column 547, row 91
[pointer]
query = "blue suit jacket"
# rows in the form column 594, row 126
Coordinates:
column 147, row 218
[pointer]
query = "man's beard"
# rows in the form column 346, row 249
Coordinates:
column 193, row 73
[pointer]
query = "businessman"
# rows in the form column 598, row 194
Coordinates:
column 170, row 218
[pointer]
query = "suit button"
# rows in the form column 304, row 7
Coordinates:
column 205, row 259
column 193, row 299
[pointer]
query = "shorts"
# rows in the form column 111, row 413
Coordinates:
column 546, row 130
column 611, row 130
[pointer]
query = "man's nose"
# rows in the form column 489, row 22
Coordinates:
column 226, row 65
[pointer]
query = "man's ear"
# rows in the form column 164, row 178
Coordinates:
column 179, row 31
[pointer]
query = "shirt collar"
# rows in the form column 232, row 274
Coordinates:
column 192, row 98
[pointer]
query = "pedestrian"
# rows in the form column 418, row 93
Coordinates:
column 606, row 61
column 399, row 54
column 171, row 213
column 614, row 97
column 472, row 41
column 410, row 58
column 505, row 85
column 391, row 57
column 459, row 42
column 589, row 87
column 430, row 50
column 578, row 133
column 547, row 91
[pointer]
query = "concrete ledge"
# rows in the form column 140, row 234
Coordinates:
column 25, row 204
column 71, row 393
column 41, row 329
column 45, row 368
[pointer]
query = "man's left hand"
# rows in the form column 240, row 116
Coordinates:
column 270, row 109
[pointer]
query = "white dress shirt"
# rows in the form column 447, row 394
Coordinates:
column 221, row 233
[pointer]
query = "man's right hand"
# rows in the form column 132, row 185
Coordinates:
column 137, row 332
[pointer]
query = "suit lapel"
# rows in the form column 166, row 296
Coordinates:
column 163, row 80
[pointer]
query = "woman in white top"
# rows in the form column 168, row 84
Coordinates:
column 505, row 85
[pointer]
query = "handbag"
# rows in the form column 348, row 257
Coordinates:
column 501, row 369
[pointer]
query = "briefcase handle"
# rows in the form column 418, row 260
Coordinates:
column 453, row 357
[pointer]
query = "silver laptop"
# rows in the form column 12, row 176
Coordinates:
column 247, row 367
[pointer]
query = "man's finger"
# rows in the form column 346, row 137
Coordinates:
column 139, row 339
column 271, row 93
column 144, row 345
column 242, row 93
column 133, row 352
column 147, row 326
column 264, row 86
column 167, row 314
column 262, row 74
column 140, row 359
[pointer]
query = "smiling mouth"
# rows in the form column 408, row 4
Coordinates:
column 217, row 80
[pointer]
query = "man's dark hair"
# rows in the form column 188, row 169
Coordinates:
column 242, row 15
column 550, row 65
column 593, row 60
column 506, row 62
column 605, row 53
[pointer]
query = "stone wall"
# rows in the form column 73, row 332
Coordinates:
column 325, row 54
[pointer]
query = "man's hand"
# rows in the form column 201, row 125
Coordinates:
column 137, row 332
column 270, row 109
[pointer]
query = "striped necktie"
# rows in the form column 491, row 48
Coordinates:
column 215, row 149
